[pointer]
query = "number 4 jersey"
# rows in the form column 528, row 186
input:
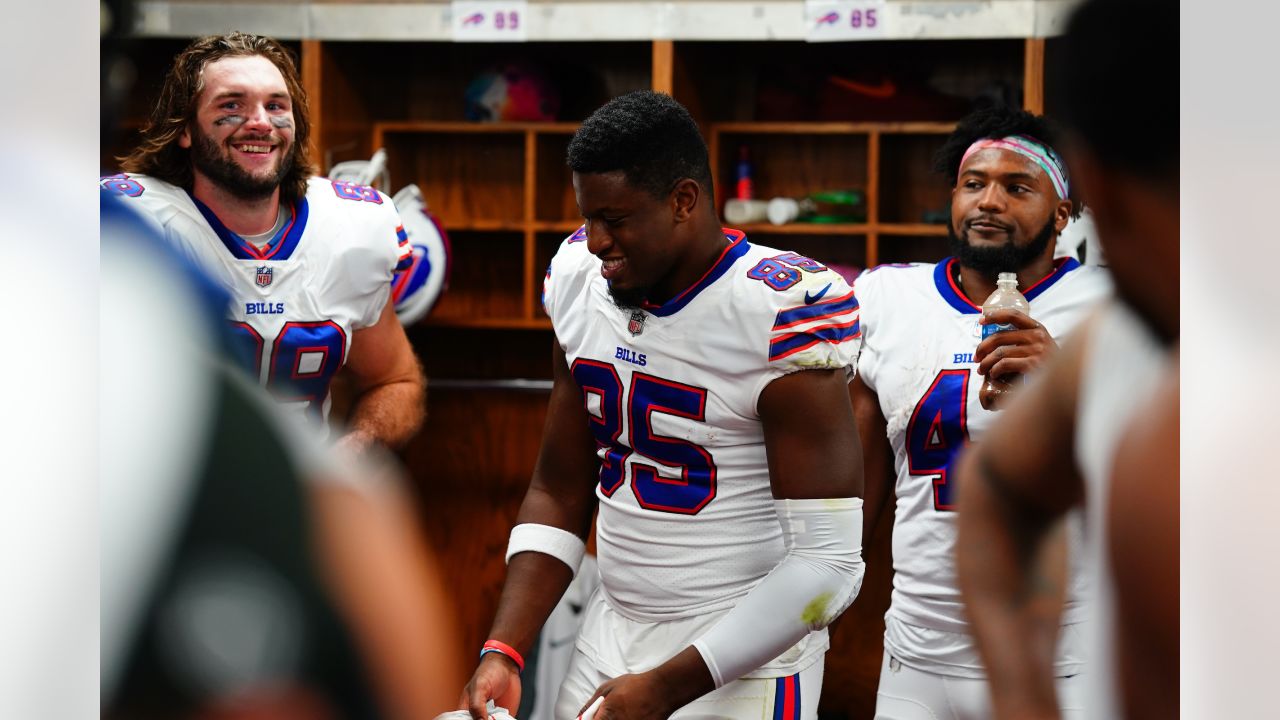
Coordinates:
column 919, row 336
column 296, row 302
column 686, row 523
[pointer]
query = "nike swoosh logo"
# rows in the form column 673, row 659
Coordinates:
column 811, row 299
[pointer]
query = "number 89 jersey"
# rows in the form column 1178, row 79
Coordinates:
column 920, row 333
column 686, row 523
column 295, row 303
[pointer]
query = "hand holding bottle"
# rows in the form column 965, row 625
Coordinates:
column 1013, row 343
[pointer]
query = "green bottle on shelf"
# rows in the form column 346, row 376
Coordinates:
column 827, row 206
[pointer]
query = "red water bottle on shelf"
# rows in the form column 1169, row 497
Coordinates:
column 744, row 189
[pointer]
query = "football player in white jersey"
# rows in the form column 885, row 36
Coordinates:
column 700, row 402
column 922, row 364
column 224, row 170
column 1084, row 433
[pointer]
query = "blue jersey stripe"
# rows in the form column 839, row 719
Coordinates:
column 779, row 697
column 805, row 313
column 944, row 279
column 738, row 247
column 795, row 342
column 281, row 247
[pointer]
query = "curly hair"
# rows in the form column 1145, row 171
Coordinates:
column 999, row 122
column 159, row 154
column 647, row 135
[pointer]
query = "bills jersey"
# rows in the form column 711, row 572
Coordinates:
column 686, row 523
column 919, row 336
column 296, row 302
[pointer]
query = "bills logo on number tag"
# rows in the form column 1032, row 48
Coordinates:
column 836, row 20
column 490, row 20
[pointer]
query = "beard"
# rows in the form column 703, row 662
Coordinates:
column 991, row 261
column 628, row 299
column 216, row 164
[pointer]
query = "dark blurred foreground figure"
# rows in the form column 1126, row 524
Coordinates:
column 1099, row 427
column 247, row 570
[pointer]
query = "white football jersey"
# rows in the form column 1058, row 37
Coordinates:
column 686, row 524
column 295, row 303
column 919, row 336
column 1109, row 394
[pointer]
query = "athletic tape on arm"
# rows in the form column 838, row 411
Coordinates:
column 560, row 544
column 819, row 577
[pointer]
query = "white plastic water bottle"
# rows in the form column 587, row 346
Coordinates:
column 494, row 712
column 1006, row 297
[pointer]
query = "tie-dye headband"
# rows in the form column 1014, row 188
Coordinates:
column 1042, row 155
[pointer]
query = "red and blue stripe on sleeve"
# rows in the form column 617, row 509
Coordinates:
column 834, row 321
column 406, row 250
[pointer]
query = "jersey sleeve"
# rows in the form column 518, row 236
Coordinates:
column 867, row 286
column 380, row 225
column 815, row 325
column 812, row 331
column 566, row 274
column 150, row 199
column 394, row 228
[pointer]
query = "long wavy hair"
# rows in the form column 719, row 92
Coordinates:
column 159, row 154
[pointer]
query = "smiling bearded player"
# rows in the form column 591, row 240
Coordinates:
column 916, row 399
column 224, row 169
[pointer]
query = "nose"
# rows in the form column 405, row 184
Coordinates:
column 992, row 198
column 257, row 119
column 598, row 239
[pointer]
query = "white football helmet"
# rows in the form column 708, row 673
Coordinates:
column 416, row 289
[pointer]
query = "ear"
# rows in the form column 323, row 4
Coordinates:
column 684, row 199
column 1062, row 214
column 184, row 140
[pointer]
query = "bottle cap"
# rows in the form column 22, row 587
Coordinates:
column 1007, row 279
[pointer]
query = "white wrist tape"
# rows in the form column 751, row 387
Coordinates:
column 560, row 544
column 817, row 579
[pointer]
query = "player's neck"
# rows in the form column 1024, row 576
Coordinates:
column 700, row 258
column 241, row 216
column 978, row 286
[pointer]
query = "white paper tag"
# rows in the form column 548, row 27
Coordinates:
column 834, row 20
column 490, row 20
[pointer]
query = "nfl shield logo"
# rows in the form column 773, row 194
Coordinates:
column 263, row 277
column 636, row 324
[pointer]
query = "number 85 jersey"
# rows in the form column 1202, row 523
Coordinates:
column 296, row 302
column 686, row 523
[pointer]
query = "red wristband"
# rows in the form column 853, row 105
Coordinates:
column 505, row 649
